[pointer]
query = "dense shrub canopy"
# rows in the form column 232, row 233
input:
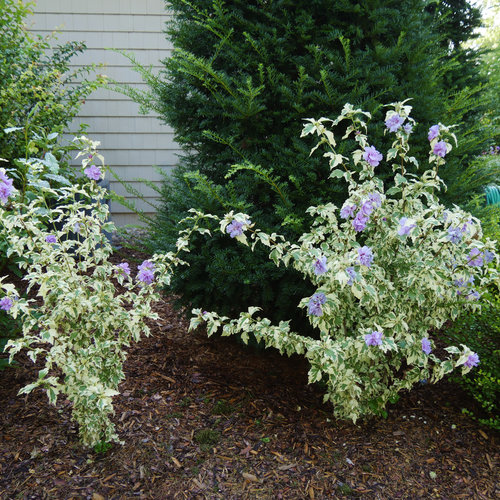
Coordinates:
column 242, row 76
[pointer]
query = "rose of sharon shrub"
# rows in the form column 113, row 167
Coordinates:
column 83, row 324
column 388, row 267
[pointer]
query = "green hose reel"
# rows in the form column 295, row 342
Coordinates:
column 492, row 195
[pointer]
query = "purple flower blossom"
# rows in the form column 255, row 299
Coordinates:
column 352, row 275
column 372, row 156
column 365, row 256
column 433, row 132
column 374, row 338
column 6, row 188
column 472, row 360
column 375, row 199
column 347, row 211
column 146, row 276
column 366, row 208
column 315, row 303
column 51, row 239
column 359, row 222
column 6, row 303
column 146, row 272
column 426, row 346
column 93, row 172
column 475, row 258
column 474, row 295
column 394, row 122
column 465, row 227
column 408, row 128
column 463, row 284
column 405, row 226
column 124, row 269
column 440, row 149
column 320, row 266
column 489, row 256
column 455, row 234
column 236, row 228
column 3, row 175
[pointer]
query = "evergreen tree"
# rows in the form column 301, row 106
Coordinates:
column 242, row 76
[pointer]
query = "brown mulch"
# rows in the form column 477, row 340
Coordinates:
column 210, row 418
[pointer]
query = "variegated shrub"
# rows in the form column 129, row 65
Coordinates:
column 390, row 266
column 82, row 321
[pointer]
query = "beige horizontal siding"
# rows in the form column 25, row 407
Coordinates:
column 132, row 144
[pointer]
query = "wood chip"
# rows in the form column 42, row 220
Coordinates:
column 250, row 477
column 96, row 496
column 287, row 467
column 176, row 462
column 483, row 433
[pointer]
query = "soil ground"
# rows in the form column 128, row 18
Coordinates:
column 212, row 419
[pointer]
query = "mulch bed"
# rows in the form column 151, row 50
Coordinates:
column 210, row 418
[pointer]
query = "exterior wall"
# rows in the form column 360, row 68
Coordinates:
column 131, row 143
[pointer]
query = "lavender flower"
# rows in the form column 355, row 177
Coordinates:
column 405, row 226
column 394, row 122
column 347, row 211
column 426, row 346
column 372, row 156
column 365, row 256
column 359, row 222
column 315, row 303
column 474, row 295
column 375, row 199
column 463, row 284
column 475, row 258
column 93, row 172
column 51, row 239
column 440, row 149
column 433, row 132
column 146, row 272
column 236, row 228
column 124, row 269
column 6, row 303
column 408, row 128
column 472, row 360
column 465, row 227
column 374, row 338
column 366, row 208
column 6, row 188
column 352, row 275
column 455, row 234
column 320, row 266
column 489, row 256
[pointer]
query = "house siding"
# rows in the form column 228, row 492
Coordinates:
column 132, row 144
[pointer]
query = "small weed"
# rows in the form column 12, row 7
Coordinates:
column 176, row 414
column 345, row 489
column 366, row 468
column 206, row 438
column 184, row 402
column 102, row 447
column 222, row 407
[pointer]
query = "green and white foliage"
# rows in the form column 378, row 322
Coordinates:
column 391, row 267
column 87, row 310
